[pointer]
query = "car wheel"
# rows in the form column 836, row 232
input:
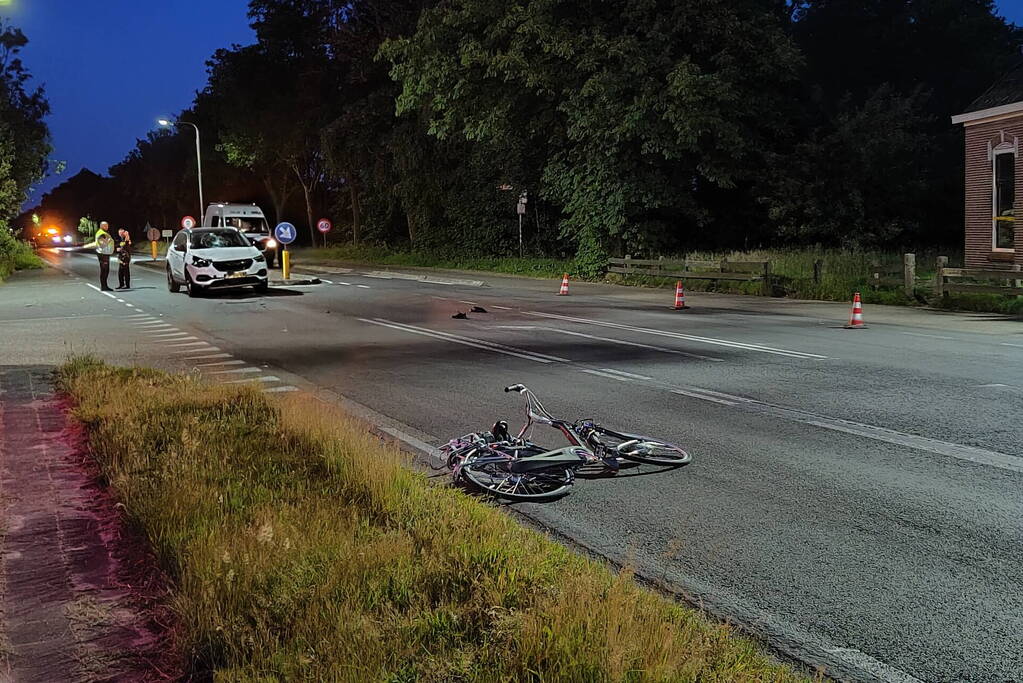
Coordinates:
column 194, row 290
column 269, row 259
column 172, row 284
column 262, row 287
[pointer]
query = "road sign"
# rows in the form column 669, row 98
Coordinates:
column 324, row 225
column 168, row 233
column 153, row 234
column 187, row 222
column 285, row 233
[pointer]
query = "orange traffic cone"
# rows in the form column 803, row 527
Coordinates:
column 856, row 320
column 564, row 286
column 680, row 297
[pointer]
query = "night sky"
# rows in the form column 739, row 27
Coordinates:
column 112, row 67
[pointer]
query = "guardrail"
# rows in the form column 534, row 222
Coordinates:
column 688, row 269
column 976, row 280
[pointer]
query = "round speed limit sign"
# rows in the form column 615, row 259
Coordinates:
column 187, row 222
column 153, row 234
column 324, row 225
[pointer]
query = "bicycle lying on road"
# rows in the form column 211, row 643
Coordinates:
column 518, row 469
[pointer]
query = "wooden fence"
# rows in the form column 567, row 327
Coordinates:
column 688, row 269
column 976, row 280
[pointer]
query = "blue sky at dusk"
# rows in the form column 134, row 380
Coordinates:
column 111, row 67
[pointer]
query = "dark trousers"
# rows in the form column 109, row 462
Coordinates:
column 104, row 270
column 124, row 274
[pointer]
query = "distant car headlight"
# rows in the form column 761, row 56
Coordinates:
column 67, row 239
column 259, row 258
column 271, row 244
column 200, row 262
column 56, row 240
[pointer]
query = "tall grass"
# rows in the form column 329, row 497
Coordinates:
column 15, row 255
column 303, row 549
column 533, row 266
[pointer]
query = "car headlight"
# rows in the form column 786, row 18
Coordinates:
column 271, row 244
column 200, row 262
column 67, row 239
column 259, row 258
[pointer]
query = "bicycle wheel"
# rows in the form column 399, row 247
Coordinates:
column 654, row 452
column 642, row 449
column 539, row 485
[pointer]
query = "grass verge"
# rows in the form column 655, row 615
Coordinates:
column 16, row 255
column 302, row 548
column 842, row 273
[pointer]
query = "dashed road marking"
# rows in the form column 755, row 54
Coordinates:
column 279, row 390
column 743, row 346
column 626, row 374
column 211, row 348
column 467, row 341
column 209, row 357
column 238, row 371
column 261, row 378
column 606, row 375
column 929, row 336
column 363, row 286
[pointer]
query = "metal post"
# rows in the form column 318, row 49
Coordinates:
column 520, row 236
column 286, row 263
column 198, row 161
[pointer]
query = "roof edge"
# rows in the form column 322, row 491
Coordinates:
column 974, row 116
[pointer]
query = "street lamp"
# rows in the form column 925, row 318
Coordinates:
column 166, row 123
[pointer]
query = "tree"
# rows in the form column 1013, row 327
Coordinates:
column 24, row 136
column 634, row 104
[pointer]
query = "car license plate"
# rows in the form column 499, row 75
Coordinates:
column 236, row 274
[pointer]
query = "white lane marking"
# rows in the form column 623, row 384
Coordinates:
column 972, row 454
column 209, row 357
column 500, row 308
column 262, row 378
column 362, row 286
column 465, row 341
column 149, row 323
column 865, row 662
column 239, row 371
column 484, row 342
column 1018, row 346
column 411, row 441
column 121, row 300
column 279, row 390
column 87, row 284
column 598, row 373
column 688, row 337
column 49, row 319
column 929, row 336
column 211, row 348
column 626, row 374
column 171, row 336
column 177, row 346
column 987, row 386
column 346, row 284
column 471, row 303
column 219, row 362
column 129, row 305
column 702, row 397
column 634, row 344
column 138, row 315
column 329, row 282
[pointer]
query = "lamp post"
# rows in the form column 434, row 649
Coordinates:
column 198, row 157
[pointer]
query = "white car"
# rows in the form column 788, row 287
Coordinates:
column 203, row 259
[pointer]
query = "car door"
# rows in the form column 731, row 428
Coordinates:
column 176, row 256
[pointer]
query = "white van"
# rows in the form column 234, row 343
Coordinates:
column 249, row 219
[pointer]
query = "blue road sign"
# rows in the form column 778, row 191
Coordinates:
column 285, row 233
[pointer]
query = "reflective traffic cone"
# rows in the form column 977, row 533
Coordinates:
column 564, row 286
column 680, row 297
column 856, row 320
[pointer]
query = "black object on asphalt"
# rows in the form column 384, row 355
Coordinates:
column 460, row 316
column 478, row 309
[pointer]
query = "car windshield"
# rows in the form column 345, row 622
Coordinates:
column 218, row 239
column 249, row 224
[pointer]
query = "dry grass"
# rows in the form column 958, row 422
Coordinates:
column 303, row 549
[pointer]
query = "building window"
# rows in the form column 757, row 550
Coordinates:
column 1003, row 200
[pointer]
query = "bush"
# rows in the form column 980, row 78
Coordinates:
column 15, row 255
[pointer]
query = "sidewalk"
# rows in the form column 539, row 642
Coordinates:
column 78, row 601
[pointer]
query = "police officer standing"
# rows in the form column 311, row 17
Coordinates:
column 123, row 259
column 104, row 245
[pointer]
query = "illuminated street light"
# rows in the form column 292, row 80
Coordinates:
column 166, row 123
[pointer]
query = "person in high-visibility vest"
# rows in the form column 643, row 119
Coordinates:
column 104, row 246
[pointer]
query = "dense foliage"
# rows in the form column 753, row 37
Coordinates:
column 642, row 126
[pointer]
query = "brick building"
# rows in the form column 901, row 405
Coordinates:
column 994, row 174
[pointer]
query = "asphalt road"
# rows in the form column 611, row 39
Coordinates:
column 855, row 496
